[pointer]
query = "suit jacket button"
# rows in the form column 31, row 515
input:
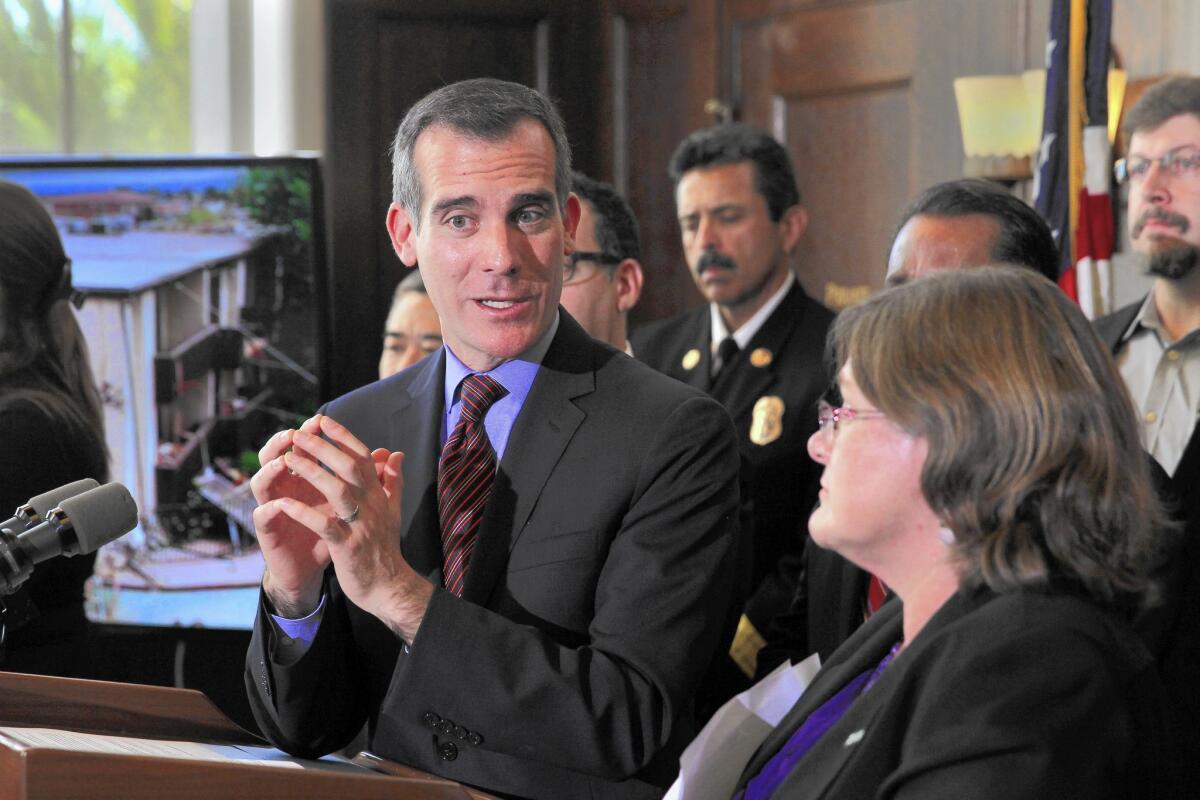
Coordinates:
column 446, row 727
column 474, row 738
column 460, row 733
column 447, row 751
column 431, row 719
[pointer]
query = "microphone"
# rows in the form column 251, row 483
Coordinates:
column 80, row 524
column 39, row 506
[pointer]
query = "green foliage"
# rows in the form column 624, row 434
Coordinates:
column 199, row 215
column 277, row 196
column 131, row 76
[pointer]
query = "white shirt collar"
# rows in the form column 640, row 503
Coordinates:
column 744, row 334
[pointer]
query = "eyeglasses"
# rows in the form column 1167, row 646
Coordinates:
column 573, row 273
column 1180, row 162
column 829, row 417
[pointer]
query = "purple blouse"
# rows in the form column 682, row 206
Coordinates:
column 773, row 773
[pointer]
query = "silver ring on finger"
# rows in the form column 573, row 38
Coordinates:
column 353, row 515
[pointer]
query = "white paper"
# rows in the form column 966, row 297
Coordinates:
column 711, row 765
column 51, row 739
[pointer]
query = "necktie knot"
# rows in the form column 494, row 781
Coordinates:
column 727, row 351
column 478, row 393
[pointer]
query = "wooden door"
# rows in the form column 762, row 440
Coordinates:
column 384, row 56
column 834, row 84
column 861, row 94
column 660, row 66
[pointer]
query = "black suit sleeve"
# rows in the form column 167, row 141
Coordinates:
column 605, row 708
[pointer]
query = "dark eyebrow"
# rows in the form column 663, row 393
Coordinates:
column 465, row 201
column 529, row 198
column 1172, row 150
column 721, row 209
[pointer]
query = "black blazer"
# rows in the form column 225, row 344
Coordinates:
column 592, row 603
column 782, row 368
column 1000, row 696
column 1173, row 629
column 825, row 610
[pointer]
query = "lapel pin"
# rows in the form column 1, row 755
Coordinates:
column 854, row 738
column 691, row 358
column 761, row 357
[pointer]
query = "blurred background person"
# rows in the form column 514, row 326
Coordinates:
column 969, row 223
column 412, row 330
column 756, row 346
column 50, row 424
column 982, row 459
column 602, row 279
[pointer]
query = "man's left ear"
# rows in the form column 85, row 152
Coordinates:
column 628, row 281
column 571, row 223
column 792, row 225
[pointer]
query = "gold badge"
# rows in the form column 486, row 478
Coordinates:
column 767, row 422
column 761, row 357
column 691, row 358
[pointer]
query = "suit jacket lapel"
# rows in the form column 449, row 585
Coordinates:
column 861, row 652
column 1112, row 329
column 699, row 333
column 542, row 430
column 417, row 427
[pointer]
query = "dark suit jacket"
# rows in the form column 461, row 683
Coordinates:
column 592, row 602
column 1000, row 696
column 1173, row 630
column 826, row 608
column 784, row 480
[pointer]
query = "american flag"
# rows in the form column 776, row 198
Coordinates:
column 1071, row 182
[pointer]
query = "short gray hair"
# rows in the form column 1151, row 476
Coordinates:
column 484, row 108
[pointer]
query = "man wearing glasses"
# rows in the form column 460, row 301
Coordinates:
column 1156, row 342
column 757, row 346
column 1157, row 347
column 602, row 279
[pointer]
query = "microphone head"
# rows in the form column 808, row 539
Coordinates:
column 42, row 503
column 100, row 515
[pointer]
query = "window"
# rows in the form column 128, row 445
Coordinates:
column 95, row 76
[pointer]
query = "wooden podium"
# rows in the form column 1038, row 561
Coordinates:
column 63, row 738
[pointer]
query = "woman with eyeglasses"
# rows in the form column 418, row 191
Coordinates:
column 984, row 463
column 51, row 428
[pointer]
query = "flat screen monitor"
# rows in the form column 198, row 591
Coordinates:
column 200, row 286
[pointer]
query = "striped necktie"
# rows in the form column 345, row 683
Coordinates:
column 466, row 471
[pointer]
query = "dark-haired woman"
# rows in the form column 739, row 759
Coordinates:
column 51, row 427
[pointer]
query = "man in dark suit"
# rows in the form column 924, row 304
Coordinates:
column 530, row 611
column 757, row 346
column 952, row 225
column 1156, row 343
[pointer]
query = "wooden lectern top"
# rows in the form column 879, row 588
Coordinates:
column 65, row 738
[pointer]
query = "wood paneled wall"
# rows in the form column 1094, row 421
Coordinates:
column 860, row 91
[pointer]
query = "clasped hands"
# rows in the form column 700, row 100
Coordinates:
column 324, row 499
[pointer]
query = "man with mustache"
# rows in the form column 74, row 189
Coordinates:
column 757, row 345
column 1156, row 342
